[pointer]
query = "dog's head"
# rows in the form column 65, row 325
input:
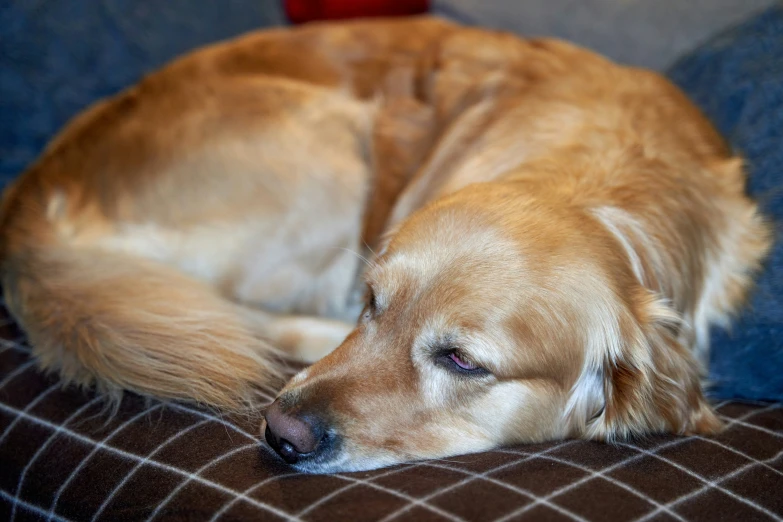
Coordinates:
column 491, row 319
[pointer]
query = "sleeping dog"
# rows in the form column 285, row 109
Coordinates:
column 481, row 239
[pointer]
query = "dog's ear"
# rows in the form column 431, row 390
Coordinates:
column 403, row 133
column 649, row 381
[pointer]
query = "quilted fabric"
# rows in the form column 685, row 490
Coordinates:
column 737, row 79
column 647, row 33
column 61, row 459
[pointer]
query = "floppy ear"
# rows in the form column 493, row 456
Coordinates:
column 652, row 382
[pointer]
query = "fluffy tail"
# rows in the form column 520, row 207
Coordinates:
column 118, row 322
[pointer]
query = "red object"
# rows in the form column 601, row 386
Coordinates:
column 300, row 11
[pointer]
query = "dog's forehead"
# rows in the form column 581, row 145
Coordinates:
column 444, row 247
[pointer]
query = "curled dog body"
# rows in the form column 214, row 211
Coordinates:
column 550, row 238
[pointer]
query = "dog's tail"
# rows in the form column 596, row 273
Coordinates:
column 118, row 322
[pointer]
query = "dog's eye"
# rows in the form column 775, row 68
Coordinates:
column 462, row 363
column 453, row 360
column 370, row 307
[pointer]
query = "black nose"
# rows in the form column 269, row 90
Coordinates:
column 293, row 437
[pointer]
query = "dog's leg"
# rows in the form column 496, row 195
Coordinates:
column 303, row 338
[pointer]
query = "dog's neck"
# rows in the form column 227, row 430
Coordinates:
column 403, row 134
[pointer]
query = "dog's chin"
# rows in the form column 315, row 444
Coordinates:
column 344, row 463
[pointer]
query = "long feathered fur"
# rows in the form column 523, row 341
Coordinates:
column 124, row 323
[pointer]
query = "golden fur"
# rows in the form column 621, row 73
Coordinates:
column 569, row 227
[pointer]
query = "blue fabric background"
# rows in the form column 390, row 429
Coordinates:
column 737, row 79
column 58, row 56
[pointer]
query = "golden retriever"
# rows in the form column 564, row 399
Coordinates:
column 551, row 237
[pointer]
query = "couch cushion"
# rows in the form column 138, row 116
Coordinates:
column 647, row 33
column 58, row 57
column 737, row 79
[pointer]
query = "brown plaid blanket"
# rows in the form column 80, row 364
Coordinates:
column 61, row 459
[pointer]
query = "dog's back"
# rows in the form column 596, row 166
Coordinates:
column 127, row 244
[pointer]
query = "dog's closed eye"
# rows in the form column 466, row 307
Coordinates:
column 456, row 361
column 372, row 305
column 465, row 365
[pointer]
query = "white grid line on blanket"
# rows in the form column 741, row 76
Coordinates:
column 348, row 487
column 711, row 484
column 204, row 415
column 228, row 505
column 760, row 428
column 141, row 464
column 13, row 424
column 577, row 483
column 736, row 452
column 215, row 418
column 16, row 373
column 17, row 345
column 44, row 446
column 196, row 477
column 133, row 457
column 38, row 510
column 354, row 483
column 477, row 476
column 30, row 405
column 730, row 421
column 94, row 451
column 617, row 465
column 247, row 491
column 369, row 484
column 602, row 474
column 399, row 494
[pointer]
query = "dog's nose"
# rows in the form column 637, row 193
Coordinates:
column 290, row 436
